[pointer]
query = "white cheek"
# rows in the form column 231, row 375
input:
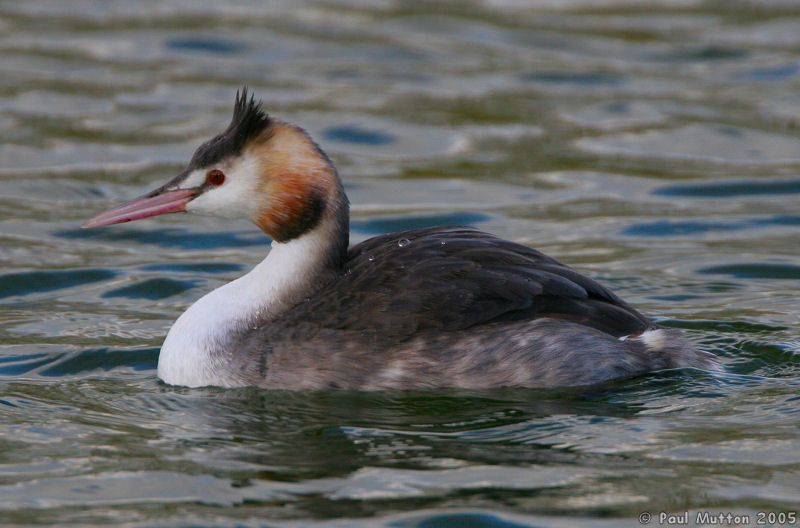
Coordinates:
column 236, row 198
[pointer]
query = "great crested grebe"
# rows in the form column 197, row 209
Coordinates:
column 424, row 308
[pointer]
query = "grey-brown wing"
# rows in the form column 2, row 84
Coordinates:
column 447, row 279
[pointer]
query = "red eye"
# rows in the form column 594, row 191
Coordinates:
column 215, row 177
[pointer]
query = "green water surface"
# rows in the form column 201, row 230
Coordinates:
column 652, row 144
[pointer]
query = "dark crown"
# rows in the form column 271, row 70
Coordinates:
column 249, row 120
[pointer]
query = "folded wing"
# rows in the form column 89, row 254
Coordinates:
column 448, row 279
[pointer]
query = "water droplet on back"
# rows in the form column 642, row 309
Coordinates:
column 403, row 242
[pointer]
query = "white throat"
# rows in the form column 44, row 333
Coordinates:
column 194, row 353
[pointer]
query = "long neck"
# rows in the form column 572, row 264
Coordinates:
column 298, row 266
column 290, row 271
column 196, row 352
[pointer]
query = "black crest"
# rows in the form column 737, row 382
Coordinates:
column 249, row 120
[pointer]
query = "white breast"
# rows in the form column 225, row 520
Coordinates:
column 195, row 354
column 186, row 357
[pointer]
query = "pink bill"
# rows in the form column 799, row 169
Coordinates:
column 166, row 202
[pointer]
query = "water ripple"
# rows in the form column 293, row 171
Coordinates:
column 26, row 283
column 152, row 289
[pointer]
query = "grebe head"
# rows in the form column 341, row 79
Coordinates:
column 259, row 168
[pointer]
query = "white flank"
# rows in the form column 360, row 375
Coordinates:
column 654, row 339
